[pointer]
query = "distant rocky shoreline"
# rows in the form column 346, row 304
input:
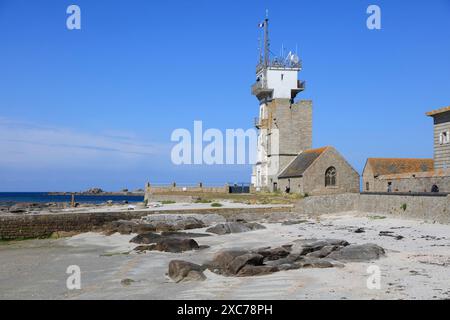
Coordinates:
column 130, row 193
column 100, row 192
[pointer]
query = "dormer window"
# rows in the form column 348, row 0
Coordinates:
column 444, row 137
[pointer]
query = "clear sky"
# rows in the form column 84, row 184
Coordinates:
column 97, row 106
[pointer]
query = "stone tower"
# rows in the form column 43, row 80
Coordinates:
column 285, row 126
column 441, row 119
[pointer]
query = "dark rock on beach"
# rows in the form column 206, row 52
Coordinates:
column 390, row 234
column 26, row 207
column 252, row 271
column 174, row 245
column 178, row 234
column 181, row 271
column 358, row 253
column 273, row 254
column 234, row 227
column 146, row 238
column 169, row 223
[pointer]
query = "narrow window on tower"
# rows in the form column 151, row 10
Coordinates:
column 282, row 77
column 444, row 137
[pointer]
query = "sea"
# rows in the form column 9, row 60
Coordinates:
column 8, row 198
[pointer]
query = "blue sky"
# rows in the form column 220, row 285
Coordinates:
column 97, row 106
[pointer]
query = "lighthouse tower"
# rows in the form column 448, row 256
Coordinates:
column 284, row 125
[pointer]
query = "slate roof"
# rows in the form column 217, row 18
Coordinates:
column 436, row 112
column 384, row 166
column 438, row 173
column 301, row 163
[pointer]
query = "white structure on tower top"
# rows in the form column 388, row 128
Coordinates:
column 276, row 78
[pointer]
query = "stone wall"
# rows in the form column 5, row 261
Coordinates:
column 369, row 179
column 313, row 180
column 156, row 192
column 41, row 226
column 327, row 204
column 294, row 124
column 314, row 177
column 44, row 225
column 424, row 207
column 412, row 184
column 296, row 185
column 168, row 197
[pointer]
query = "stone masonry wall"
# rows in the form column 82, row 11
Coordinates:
column 417, row 184
column 294, row 124
column 314, row 177
column 428, row 207
column 44, row 225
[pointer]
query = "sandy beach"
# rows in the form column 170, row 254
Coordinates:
column 414, row 267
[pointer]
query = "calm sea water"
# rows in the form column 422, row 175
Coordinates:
column 7, row 198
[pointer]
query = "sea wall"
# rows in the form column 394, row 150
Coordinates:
column 44, row 225
column 427, row 207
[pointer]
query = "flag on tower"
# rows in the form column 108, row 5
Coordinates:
column 261, row 25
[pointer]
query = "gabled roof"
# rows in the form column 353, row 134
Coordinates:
column 439, row 111
column 301, row 163
column 437, row 173
column 386, row 166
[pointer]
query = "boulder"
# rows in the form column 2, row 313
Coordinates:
column 173, row 222
column 390, row 234
column 273, row 254
column 26, row 207
column 120, row 226
column 303, row 247
column 180, row 271
column 143, row 228
column 293, row 222
column 178, row 234
column 295, row 261
column 18, row 208
column 252, row 271
column 358, row 253
column 223, row 259
column 324, row 252
column 143, row 248
column 127, row 282
column 234, row 227
column 241, row 261
column 126, row 227
column 174, row 245
column 307, row 262
column 146, row 238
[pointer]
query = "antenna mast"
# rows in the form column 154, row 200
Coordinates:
column 260, row 49
column 266, row 41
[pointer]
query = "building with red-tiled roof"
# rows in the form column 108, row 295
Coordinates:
column 414, row 175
